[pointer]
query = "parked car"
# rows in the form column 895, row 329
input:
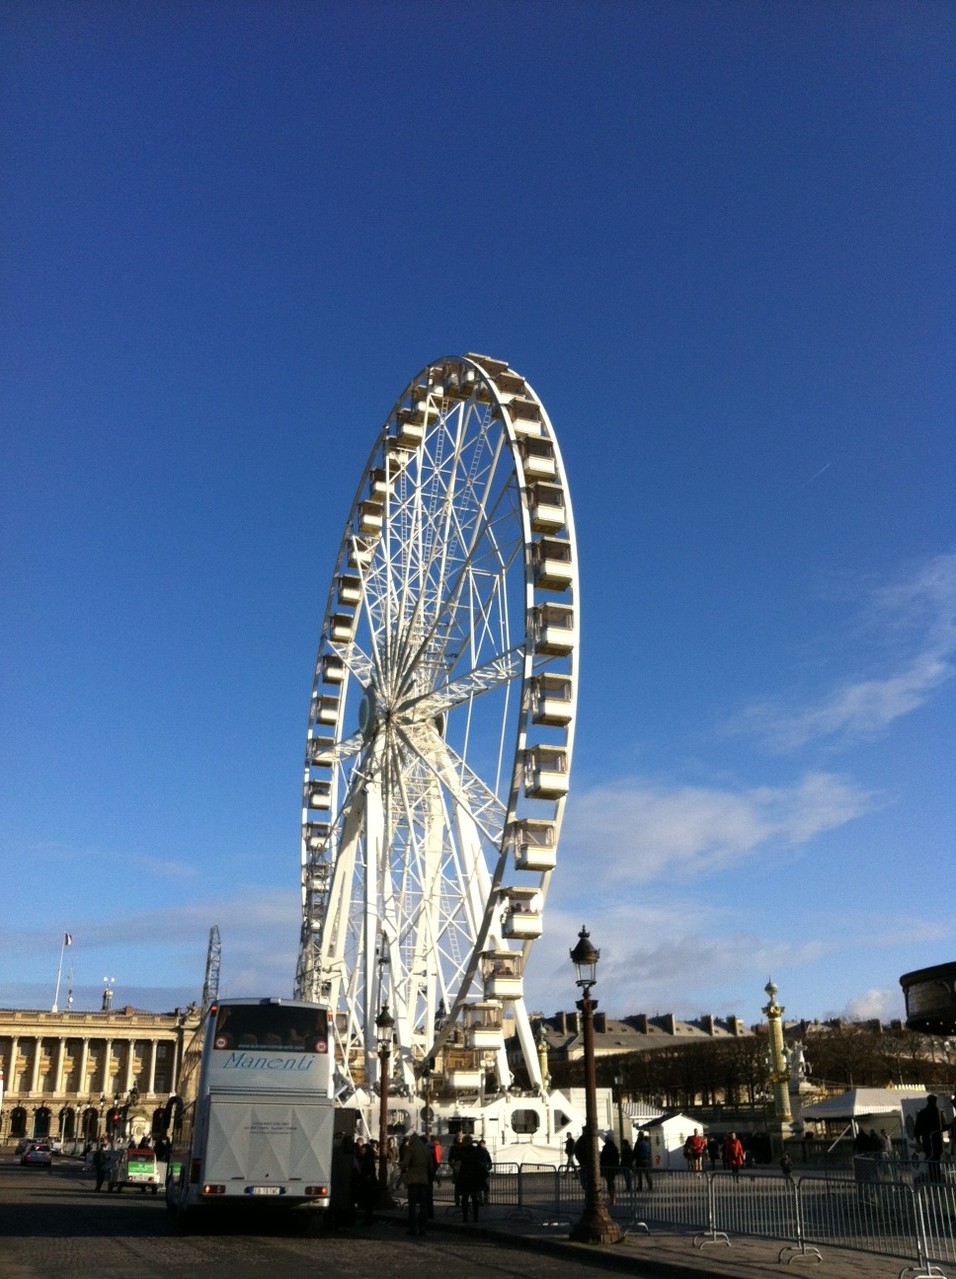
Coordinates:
column 39, row 1153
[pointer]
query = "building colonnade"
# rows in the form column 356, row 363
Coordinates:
column 79, row 1075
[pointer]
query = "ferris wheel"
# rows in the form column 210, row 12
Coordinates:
column 440, row 732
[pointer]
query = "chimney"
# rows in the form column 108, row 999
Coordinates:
column 640, row 1023
column 600, row 1023
column 670, row 1023
column 707, row 1023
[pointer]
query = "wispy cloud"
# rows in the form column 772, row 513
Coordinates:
column 913, row 621
column 635, row 831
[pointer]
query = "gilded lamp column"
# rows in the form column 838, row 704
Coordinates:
column 779, row 1074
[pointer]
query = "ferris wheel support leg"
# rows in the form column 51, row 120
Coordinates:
column 529, row 1048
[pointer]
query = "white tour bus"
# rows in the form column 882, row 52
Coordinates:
column 255, row 1123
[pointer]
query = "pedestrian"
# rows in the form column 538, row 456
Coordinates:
column 643, row 1160
column 392, row 1171
column 929, row 1129
column 368, row 1181
column 415, row 1161
column 694, row 1148
column 583, row 1149
column 610, row 1163
column 484, row 1158
column 713, row 1150
column 733, row 1154
column 627, row 1163
column 101, row 1164
column 569, row 1156
column 434, row 1164
column 470, row 1178
column 454, row 1159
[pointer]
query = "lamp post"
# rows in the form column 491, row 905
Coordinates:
column 596, row 1224
column 132, row 1101
column 426, row 1098
column 384, row 1025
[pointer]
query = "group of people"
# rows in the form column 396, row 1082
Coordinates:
column 730, row 1151
column 631, row 1163
column 470, row 1164
column 413, row 1164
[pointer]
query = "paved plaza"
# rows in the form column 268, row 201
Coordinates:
column 54, row 1224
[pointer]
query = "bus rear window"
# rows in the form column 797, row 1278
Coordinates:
column 276, row 1026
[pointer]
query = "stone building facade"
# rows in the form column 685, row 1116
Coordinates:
column 80, row 1075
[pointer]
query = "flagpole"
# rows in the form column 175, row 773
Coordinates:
column 66, row 941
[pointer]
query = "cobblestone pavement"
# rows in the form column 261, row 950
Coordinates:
column 681, row 1253
column 53, row 1225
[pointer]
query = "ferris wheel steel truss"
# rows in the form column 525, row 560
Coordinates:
column 441, row 730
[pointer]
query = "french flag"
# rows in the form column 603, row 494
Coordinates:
column 67, row 939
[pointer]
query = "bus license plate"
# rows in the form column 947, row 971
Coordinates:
column 264, row 1190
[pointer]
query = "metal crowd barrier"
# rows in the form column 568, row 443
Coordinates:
column 882, row 1207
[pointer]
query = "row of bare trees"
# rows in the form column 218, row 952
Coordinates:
column 735, row 1072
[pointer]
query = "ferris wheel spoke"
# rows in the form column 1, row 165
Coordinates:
column 474, row 597
column 499, row 670
column 465, row 787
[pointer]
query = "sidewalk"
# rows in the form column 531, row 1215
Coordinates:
column 668, row 1252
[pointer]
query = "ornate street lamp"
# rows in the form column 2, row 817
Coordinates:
column 384, row 1026
column 596, row 1224
column 426, row 1098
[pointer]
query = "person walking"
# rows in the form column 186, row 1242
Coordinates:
column 101, row 1164
column 694, row 1148
column 582, row 1153
column 415, row 1161
column 643, row 1160
column 733, row 1154
column 929, row 1129
column 484, row 1158
column 569, row 1156
column 454, row 1159
column 610, row 1163
column 471, row 1178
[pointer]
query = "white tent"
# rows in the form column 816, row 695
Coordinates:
column 859, row 1103
column 865, row 1104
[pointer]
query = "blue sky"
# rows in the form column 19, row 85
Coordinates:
column 718, row 240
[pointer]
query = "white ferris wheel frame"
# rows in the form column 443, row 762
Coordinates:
column 441, row 730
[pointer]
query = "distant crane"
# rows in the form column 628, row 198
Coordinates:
column 210, row 987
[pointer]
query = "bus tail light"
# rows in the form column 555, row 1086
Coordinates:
column 317, row 1192
column 213, row 1190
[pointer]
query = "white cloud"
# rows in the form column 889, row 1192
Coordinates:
column 882, row 1004
column 635, row 831
column 914, row 623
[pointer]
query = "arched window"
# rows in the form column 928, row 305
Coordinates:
column 41, row 1122
column 18, row 1122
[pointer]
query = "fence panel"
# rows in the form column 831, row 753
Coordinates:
column 678, row 1198
column 504, row 1185
column 754, row 1204
column 538, row 1187
column 873, row 1216
column 937, row 1202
